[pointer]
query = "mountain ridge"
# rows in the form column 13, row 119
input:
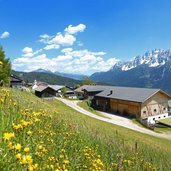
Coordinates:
column 68, row 75
column 151, row 70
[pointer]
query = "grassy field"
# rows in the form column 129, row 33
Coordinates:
column 36, row 134
column 166, row 121
column 156, row 129
column 85, row 104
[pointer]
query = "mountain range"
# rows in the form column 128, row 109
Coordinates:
column 152, row 70
column 68, row 75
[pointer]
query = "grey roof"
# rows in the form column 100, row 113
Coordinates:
column 15, row 78
column 128, row 93
column 123, row 93
column 54, row 87
column 92, row 88
column 41, row 88
column 81, row 89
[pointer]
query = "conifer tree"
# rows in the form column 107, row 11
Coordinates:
column 5, row 69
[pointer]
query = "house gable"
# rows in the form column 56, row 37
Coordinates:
column 155, row 105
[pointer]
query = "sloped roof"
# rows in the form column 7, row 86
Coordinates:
column 54, row 87
column 91, row 88
column 15, row 78
column 129, row 93
column 123, row 93
column 41, row 88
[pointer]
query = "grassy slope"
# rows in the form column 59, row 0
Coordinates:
column 166, row 121
column 111, row 139
column 85, row 105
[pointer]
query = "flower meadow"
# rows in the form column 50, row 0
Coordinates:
column 36, row 136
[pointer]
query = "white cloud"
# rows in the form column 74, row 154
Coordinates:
column 71, row 61
column 66, row 50
column 67, row 38
column 4, row 35
column 28, row 52
column 52, row 46
column 74, row 29
column 64, row 40
column 44, row 36
column 62, row 58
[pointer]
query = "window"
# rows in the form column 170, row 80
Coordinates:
column 164, row 108
column 164, row 116
column 153, row 119
column 159, row 117
column 144, row 112
column 155, row 110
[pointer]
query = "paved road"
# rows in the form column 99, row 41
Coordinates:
column 114, row 119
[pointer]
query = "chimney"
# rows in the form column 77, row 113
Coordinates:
column 111, row 91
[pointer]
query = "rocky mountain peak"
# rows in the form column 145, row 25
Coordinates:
column 154, row 58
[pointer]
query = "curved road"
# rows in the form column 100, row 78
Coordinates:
column 114, row 119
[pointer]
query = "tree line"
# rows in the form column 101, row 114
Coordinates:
column 5, row 69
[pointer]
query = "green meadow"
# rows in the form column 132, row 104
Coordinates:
column 37, row 134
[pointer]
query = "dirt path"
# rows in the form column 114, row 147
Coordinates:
column 114, row 119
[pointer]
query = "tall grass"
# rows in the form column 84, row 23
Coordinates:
column 36, row 134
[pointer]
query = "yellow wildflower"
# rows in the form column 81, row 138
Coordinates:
column 18, row 156
column 35, row 166
column 61, row 156
column 8, row 136
column 29, row 159
column 24, row 160
column 30, row 168
column 66, row 161
column 26, row 149
column 17, row 127
column 1, row 62
column 24, row 123
column 29, row 133
column 40, row 147
column 10, row 145
column 18, row 147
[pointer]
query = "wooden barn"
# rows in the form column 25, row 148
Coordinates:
column 144, row 103
column 48, row 91
column 45, row 91
column 15, row 81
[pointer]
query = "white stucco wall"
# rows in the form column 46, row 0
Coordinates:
column 152, row 119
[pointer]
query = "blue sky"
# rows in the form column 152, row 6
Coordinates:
column 77, row 36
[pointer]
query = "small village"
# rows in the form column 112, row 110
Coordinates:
column 149, row 106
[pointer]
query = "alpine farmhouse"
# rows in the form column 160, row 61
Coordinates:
column 143, row 103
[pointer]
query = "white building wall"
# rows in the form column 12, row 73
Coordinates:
column 152, row 119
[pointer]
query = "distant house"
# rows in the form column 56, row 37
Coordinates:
column 15, row 81
column 45, row 91
column 48, row 91
column 70, row 93
column 38, row 83
column 142, row 103
column 88, row 91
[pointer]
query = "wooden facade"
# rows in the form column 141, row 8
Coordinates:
column 48, row 92
column 15, row 81
column 155, row 105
